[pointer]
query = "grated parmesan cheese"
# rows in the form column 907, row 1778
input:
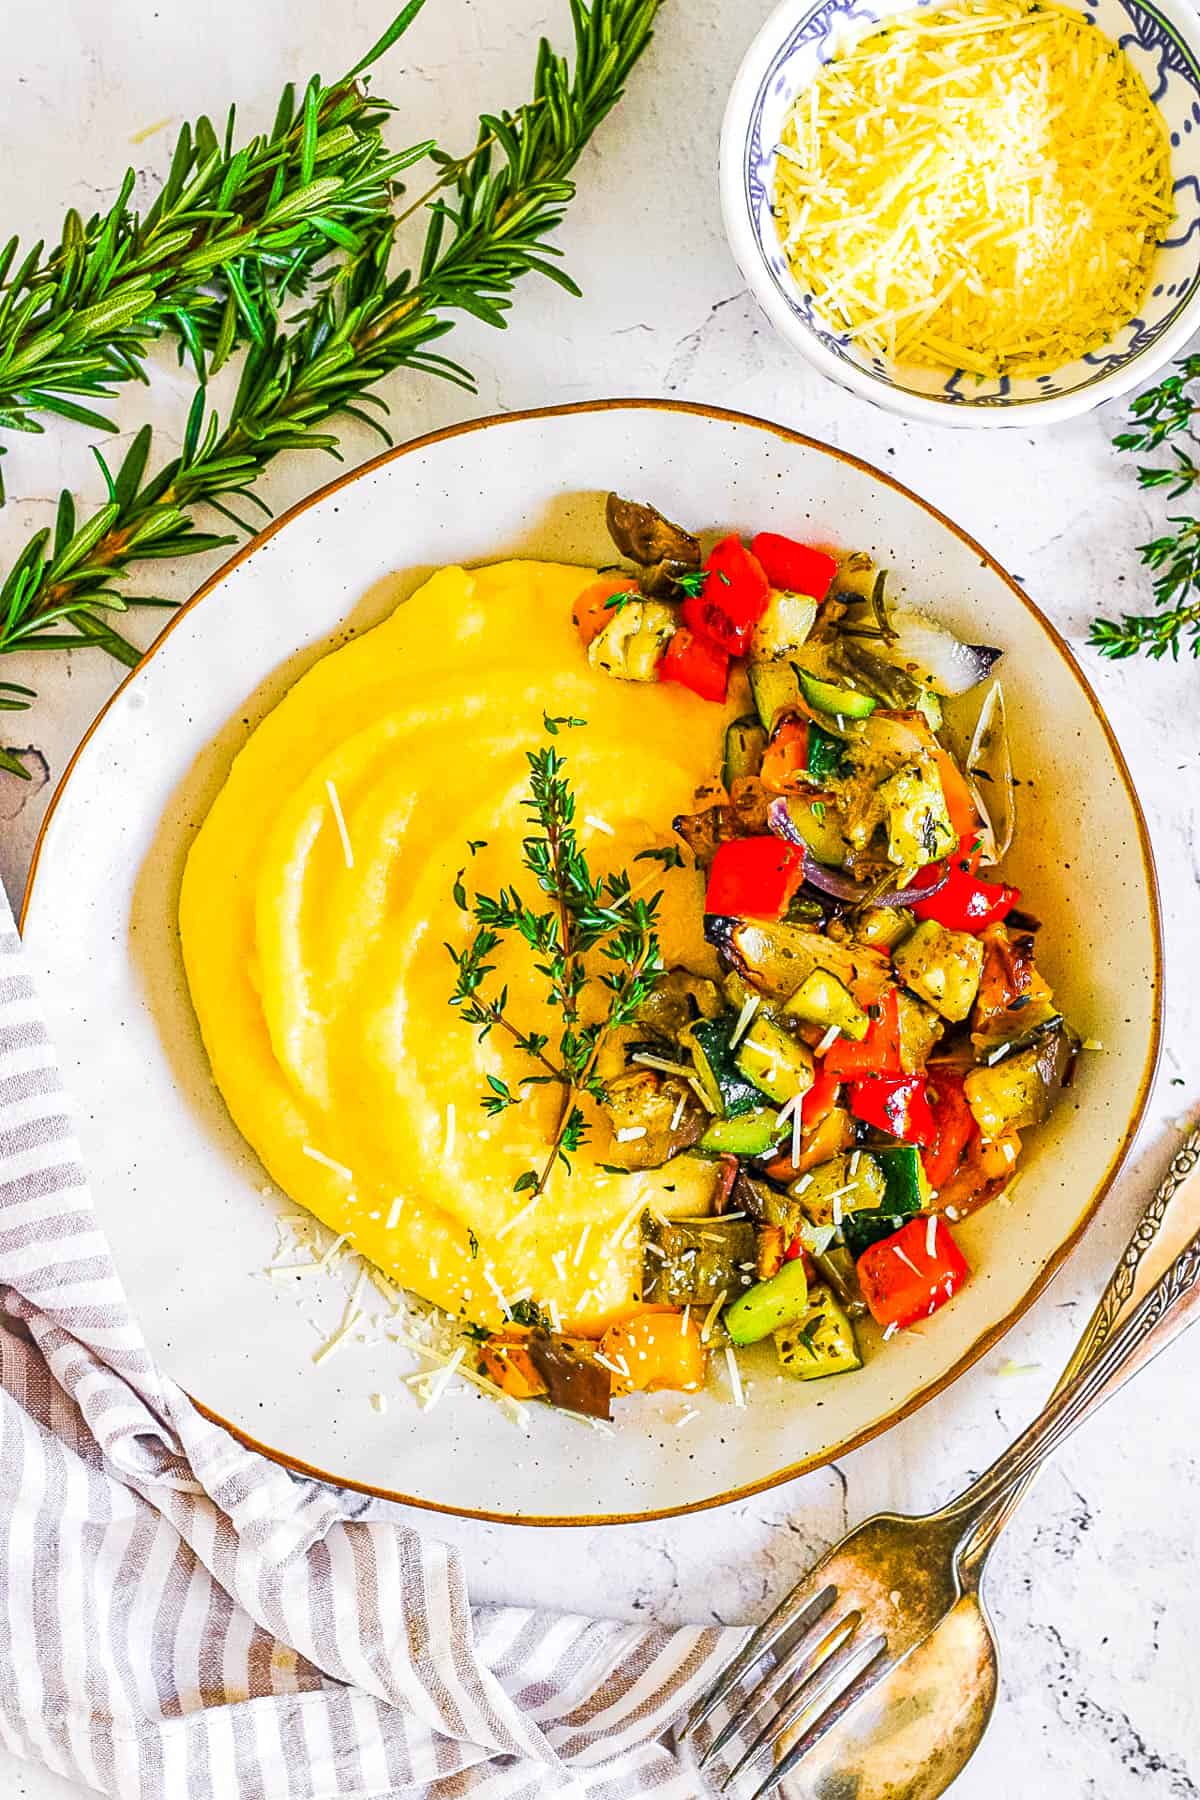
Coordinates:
column 981, row 187
column 339, row 819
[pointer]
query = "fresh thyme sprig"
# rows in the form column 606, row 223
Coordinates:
column 1163, row 412
column 232, row 232
column 597, row 937
column 487, row 228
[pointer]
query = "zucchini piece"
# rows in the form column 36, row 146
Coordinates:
column 852, row 1182
column 826, row 755
column 882, row 927
column 1021, row 1090
column 943, row 967
column 768, row 1305
column 774, row 688
column 630, row 646
column 692, row 1262
column 745, row 741
column 915, row 814
column 920, row 1029
column 775, row 1061
column 907, row 1186
column 783, row 627
column 750, row 1134
column 821, row 999
column 820, row 1343
column 726, row 1089
column 838, row 702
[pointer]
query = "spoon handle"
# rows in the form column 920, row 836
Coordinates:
column 1171, row 1305
column 1171, row 1216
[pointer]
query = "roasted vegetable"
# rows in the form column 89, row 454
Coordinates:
column 507, row 1362
column 655, row 1350
column 769, row 1247
column 942, row 967
column 692, row 1262
column 750, row 1134
column 727, row 1091
column 653, row 1116
column 920, row 1029
column 1016, row 1028
column 573, row 1377
column 767, row 1305
column 891, row 686
column 817, row 821
column 783, row 627
column 1022, row 1089
column 742, row 814
column 820, row 1342
column 882, row 927
column 821, row 999
column 631, row 645
column 908, row 1276
column 838, row 702
column 677, row 999
column 774, row 1060
column 776, row 957
column 849, row 1183
column 662, row 549
column 906, row 1192
column 775, row 688
column 745, row 741
column 915, row 816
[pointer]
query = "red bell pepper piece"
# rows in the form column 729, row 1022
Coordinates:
column 965, row 903
column 733, row 599
column 876, row 1054
column 695, row 663
column 954, row 1127
column 903, row 1279
column 796, row 567
column 897, row 1104
column 820, row 1099
column 755, row 876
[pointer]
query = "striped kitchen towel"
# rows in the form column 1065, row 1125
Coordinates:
column 180, row 1617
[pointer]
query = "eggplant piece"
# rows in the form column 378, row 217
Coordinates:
column 1022, row 1089
column 776, row 957
column 694, row 1261
column 662, row 549
column 1019, row 1026
column 767, row 1206
column 744, row 814
column 676, row 1000
column 653, row 1116
column 574, row 1379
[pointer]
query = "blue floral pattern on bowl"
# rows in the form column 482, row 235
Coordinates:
column 1171, row 72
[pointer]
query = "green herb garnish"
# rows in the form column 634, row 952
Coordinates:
column 597, row 936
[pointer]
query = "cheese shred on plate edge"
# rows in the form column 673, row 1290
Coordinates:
column 981, row 187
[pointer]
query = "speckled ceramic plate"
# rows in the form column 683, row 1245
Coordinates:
column 188, row 1210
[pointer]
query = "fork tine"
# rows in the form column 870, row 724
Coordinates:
column 798, row 1697
column 793, row 1609
column 808, row 1652
column 864, row 1659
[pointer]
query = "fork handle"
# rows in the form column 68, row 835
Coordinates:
column 1173, row 1211
column 1166, row 1311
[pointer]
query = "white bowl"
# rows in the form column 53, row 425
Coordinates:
column 1162, row 40
column 183, row 1200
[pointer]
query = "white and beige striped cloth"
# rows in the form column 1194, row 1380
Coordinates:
column 182, row 1618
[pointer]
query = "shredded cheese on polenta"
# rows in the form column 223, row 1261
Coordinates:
column 982, row 187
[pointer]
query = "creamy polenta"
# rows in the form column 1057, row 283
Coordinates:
column 317, row 905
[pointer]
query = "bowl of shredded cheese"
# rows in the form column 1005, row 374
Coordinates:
column 964, row 211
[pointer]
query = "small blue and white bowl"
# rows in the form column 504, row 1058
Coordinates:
column 1161, row 38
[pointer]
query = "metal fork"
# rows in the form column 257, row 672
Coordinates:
column 876, row 1596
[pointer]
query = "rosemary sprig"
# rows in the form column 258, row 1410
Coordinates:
column 487, row 230
column 596, row 938
column 233, row 231
column 1163, row 412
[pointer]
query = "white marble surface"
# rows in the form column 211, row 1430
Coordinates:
column 1094, row 1589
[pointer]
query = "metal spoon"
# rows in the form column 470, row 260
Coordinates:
column 913, row 1734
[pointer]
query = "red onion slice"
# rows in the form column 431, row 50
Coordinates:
column 835, row 882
